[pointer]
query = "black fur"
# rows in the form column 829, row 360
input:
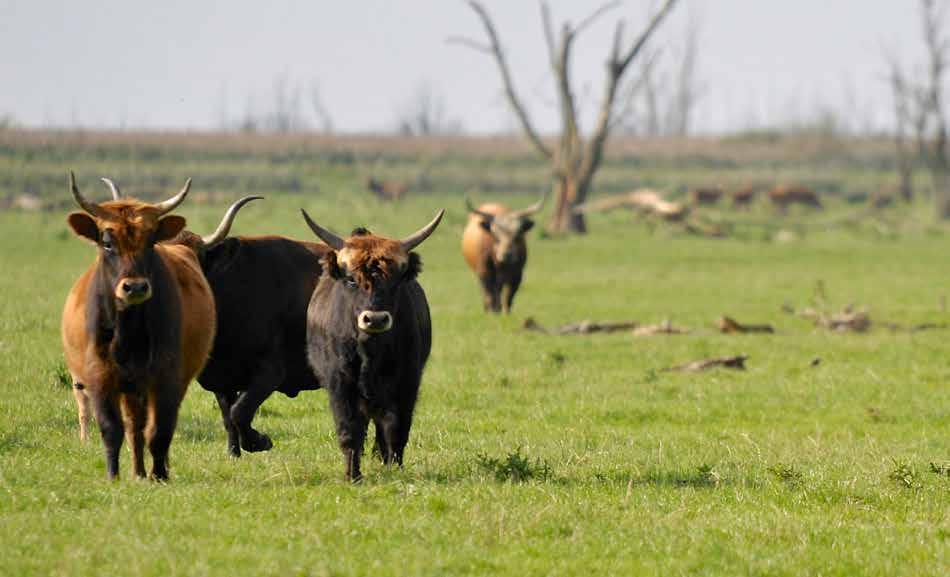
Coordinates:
column 370, row 377
column 262, row 287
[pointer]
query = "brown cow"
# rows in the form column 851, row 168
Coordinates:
column 705, row 196
column 387, row 189
column 743, row 197
column 137, row 325
column 784, row 195
column 493, row 245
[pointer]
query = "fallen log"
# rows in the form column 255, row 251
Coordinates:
column 645, row 200
column 663, row 328
column 584, row 327
column 736, row 362
column 729, row 325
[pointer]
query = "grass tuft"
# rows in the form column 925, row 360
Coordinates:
column 515, row 467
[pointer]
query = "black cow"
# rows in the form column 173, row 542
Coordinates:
column 368, row 338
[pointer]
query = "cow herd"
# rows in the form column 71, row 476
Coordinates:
column 247, row 316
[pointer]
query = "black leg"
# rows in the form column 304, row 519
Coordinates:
column 163, row 406
column 509, row 291
column 351, row 424
column 110, row 426
column 260, row 386
column 225, row 402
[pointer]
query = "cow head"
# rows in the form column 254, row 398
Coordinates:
column 506, row 230
column 126, row 230
column 372, row 269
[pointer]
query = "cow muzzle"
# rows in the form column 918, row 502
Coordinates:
column 133, row 290
column 374, row 321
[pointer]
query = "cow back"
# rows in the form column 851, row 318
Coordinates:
column 476, row 241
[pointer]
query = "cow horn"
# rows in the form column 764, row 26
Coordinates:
column 224, row 228
column 531, row 209
column 88, row 206
column 169, row 205
column 416, row 238
column 334, row 241
column 116, row 194
column 473, row 210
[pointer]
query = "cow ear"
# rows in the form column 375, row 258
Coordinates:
column 83, row 225
column 526, row 225
column 413, row 267
column 331, row 266
column 169, row 227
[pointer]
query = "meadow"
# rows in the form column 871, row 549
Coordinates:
column 530, row 454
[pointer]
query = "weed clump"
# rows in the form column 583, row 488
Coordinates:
column 788, row 474
column 905, row 475
column 515, row 467
column 60, row 376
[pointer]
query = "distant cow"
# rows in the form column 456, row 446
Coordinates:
column 368, row 338
column 705, row 196
column 743, row 197
column 784, row 195
column 494, row 247
column 387, row 189
column 137, row 325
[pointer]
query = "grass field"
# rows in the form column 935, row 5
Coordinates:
column 530, row 454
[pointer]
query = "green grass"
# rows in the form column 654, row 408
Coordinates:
column 530, row 454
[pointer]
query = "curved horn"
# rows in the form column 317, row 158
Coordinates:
column 169, row 205
column 334, row 241
column 416, row 238
column 116, row 194
column 224, row 228
column 531, row 209
column 473, row 210
column 88, row 206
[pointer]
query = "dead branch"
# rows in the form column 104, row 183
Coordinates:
column 645, row 200
column 584, row 327
column 663, row 328
column 729, row 325
column 736, row 362
column 848, row 319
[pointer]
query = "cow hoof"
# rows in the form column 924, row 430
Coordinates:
column 258, row 443
column 234, row 451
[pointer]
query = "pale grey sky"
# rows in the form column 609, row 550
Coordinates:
column 189, row 63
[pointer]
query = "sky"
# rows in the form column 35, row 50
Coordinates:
column 198, row 65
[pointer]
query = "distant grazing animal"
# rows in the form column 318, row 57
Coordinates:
column 743, row 197
column 137, row 325
column 784, row 195
column 369, row 336
column 493, row 245
column 705, row 196
column 262, row 287
column 387, row 189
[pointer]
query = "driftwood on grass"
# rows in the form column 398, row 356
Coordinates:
column 663, row 328
column 584, row 327
column 737, row 362
column 899, row 328
column 848, row 319
column 729, row 325
column 644, row 200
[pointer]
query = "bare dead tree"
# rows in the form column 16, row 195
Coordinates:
column 905, row 114
column 688, row 89
column 320, row 109
column 937, row 45
column 574, row 161
column 424, row 114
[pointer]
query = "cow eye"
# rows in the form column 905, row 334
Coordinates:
column 350, row 282
column 107, row 245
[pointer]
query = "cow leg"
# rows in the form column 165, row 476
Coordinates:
column 508, row 293
column 133, row 417
column 225, row 402
column 163, row 416
column 380, row 446
column 110, row 427
column 82, row 407
column 396, row 435
column 260, row 387
column 351, row 424
column 490, row 292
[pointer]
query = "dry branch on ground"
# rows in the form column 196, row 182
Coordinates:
column 730, row 326
column 737, row 362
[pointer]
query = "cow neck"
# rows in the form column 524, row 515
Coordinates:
column 134, row 337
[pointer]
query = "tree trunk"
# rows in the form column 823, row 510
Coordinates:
column 564, row 219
